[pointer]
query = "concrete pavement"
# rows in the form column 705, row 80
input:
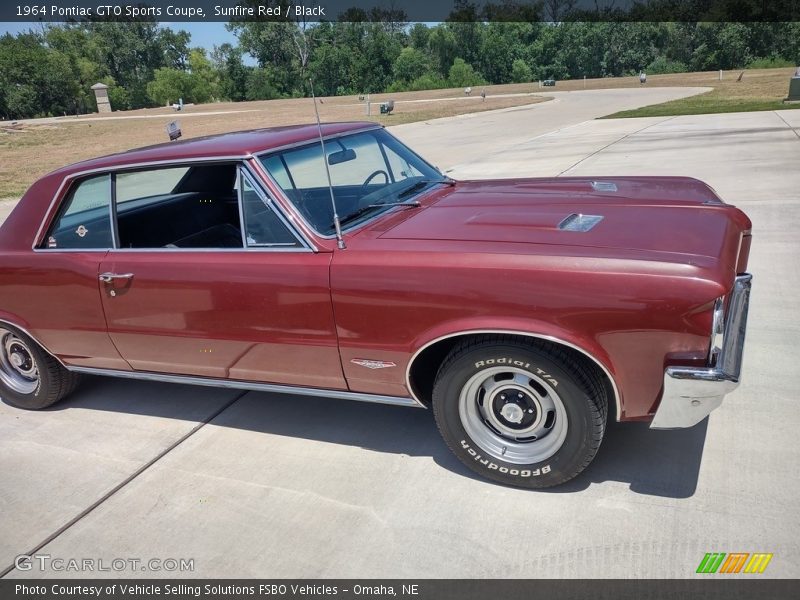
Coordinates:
column 275, row 486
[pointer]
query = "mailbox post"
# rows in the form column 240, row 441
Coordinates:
column 101, row 95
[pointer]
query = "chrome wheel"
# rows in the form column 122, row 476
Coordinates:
column 18, row 368
column 513, row 415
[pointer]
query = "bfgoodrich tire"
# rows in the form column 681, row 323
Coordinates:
column 29, row 377
column 527, row 414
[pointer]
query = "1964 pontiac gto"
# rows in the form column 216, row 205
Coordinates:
column 526, row 313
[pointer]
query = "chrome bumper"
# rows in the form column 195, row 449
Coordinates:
column 691, row 393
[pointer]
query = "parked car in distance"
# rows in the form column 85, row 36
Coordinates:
column 526, row 313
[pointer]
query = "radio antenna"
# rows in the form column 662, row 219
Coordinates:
column 336, row 224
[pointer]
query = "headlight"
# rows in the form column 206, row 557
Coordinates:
column 717, row 331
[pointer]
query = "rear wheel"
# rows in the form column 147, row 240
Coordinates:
column 29, row 377
column 524, row 414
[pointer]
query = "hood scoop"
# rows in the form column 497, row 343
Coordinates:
column 579, row 222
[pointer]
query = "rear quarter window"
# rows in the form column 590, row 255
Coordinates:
column 84, row 219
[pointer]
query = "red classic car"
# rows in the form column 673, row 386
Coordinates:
column 526, row 313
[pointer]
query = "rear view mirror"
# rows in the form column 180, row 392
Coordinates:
column 342, row 156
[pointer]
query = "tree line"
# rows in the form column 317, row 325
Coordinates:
column 50, row 71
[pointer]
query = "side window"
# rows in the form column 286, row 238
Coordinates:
column 84, row 221
column 188, row 207
column 262, row 224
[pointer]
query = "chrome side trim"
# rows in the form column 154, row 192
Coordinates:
column 30, row 335
column 548, row 338
column 250, row 385
column 691, row 393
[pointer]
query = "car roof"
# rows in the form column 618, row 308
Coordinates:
column 224, row 145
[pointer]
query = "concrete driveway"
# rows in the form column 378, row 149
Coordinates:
column 258, row 485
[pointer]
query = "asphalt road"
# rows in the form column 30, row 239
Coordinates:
column 259, row 485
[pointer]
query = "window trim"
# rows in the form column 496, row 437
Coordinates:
column 241, row 161
column 243, row 172
column 348, row 228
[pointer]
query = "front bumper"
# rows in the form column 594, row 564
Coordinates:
column 691, row 393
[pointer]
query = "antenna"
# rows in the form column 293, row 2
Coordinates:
column 336, row 224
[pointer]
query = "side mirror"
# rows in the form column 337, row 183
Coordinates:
column 342, row 156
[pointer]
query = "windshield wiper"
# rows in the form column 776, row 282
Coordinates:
column 414, row 187
column 369, row 207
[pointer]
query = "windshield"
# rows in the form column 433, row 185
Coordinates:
column 370, row 171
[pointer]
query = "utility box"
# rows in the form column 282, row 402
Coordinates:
column 387, row 107
column 794, row 88
column 101, row 95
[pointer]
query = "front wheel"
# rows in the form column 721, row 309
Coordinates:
column 527, row 414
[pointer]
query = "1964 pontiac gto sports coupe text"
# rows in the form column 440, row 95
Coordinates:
column 526, row 313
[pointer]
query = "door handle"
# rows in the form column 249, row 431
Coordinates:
column 110, row 277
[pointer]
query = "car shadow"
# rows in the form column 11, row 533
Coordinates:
column 651, row 462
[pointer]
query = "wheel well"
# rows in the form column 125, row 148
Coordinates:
column 425, row 365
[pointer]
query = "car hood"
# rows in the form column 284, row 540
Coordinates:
column 659, row 214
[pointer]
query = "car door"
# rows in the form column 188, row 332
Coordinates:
column 54, row 289
column 206, row 304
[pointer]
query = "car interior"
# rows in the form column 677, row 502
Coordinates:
column 201, row 210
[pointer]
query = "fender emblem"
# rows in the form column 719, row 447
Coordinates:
column 372, row 364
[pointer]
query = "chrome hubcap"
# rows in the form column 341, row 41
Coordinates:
column 18, row 368
column 513, row 415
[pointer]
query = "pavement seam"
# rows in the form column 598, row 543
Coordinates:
column 84, row 513
column 624, row 137
column 792, row 129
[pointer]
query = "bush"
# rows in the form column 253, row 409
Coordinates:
column 663, row 65
column 772, row 62
column 427, row 82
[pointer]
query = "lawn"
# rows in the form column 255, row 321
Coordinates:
column 758, row 89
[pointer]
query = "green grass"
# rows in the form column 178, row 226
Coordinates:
column 708, row 103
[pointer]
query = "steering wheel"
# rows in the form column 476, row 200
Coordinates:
column 372, row 176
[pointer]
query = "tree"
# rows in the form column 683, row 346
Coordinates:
column 204, row 78
column 170, row 85
column 227, row 61
column 410, row 64
column 260, row 85
column 462, row 74
column 521, row 72
column 22, row 101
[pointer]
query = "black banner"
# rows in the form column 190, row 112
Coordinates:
column 713, row 588
column 402, row 10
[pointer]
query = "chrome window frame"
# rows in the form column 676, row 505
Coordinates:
column 348, row 228
column 241, row 161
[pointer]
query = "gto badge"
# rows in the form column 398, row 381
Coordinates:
column 81, row 231
column 372, row 364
